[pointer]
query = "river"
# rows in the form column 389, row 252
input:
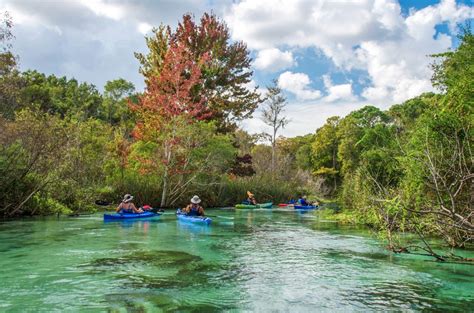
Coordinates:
column 247, row 260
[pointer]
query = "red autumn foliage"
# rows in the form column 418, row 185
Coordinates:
column 242, row 166
column 225, row 68
column 175, row 91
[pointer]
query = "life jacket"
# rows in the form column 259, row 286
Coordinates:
column 251, row 200
column 190, row 210
column 302, row 201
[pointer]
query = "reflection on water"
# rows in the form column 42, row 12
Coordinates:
column 246, row 260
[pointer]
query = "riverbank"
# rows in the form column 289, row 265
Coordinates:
column 399, row 241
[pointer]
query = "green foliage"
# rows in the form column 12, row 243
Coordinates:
column 359, row 132
column 404, row 115
column 10, row 80
column 198, row 159
column 325, row 150
column 437, row 185
column 437, row 168
column 261, row 156
column 453, row 74
column 59, row 95
column 60, row 160
column 114, row 107
column 343, row 217
column 152, row 63
column 303, row 157
column 44, row 204
column 329, row 171
column 244, row 141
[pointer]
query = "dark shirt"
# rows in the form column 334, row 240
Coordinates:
column 194, row 211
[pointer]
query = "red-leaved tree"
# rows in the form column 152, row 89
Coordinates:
column 225, row 66
column 171, row 102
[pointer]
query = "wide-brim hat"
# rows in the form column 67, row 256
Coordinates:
column 127, row 198
column 195, row 200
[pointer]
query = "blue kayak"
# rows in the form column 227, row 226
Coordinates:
column 127, row 216
column 305, row 207
column 193, row 219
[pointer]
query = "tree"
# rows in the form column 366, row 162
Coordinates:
column 172, row 93
column 29, row 155
column 242, row 166
column 225, row 72
column 11, row 81
column 439, row 176
column 244, row 141
column 169, row 105
column 438, row 158
column 352, row 129
column 453, row 72
column 50, row 164
column 405, row 115
column 6, row 34
column 325, row 150
column 114, row 107
column 260, row 156
column 272, row 115
column 60, row 95
column 151, row 64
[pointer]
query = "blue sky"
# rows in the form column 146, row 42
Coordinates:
column 329, row 57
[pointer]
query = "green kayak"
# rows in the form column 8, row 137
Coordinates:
column 250, row 206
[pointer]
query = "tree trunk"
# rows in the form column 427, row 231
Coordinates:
column 334, row 167
column 273, row 151
column 165, row 187
column 164, row 193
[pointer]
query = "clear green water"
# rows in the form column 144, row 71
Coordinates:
column 249, row 260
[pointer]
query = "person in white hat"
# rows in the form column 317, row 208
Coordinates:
column 194, row 208
column 127, row 206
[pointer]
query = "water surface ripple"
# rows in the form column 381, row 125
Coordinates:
column 248, row 260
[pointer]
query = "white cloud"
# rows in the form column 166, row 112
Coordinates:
column 399, row 68
column 370, row 35
column 341, row 92
column 102, row 8
column 273, row 60
column 255, row 125
column 144, row 28
column 92, row 41
column 332, row 26
column 298, row 84
column 305, row 117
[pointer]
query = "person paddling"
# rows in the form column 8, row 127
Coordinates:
column 127, row 206
column 302, row 201
column 194, row 209
column 251, row 198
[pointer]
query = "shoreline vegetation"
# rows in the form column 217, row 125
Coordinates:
column 405, row 170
